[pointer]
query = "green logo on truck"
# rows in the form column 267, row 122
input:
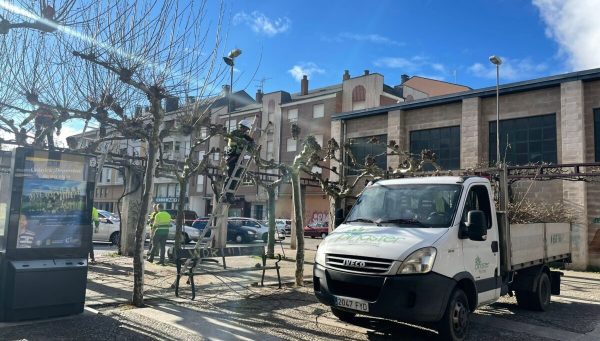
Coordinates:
column 479, row 265
column 360, row 234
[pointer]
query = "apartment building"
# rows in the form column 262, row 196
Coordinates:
column 552, row 120
column 310, row 109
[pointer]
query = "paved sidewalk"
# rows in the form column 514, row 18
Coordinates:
column 233, row 307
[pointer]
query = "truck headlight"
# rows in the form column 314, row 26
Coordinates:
column 419, row 262
column 320, row 256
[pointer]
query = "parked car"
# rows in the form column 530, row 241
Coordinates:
column 188, row 216
column 108, row 229
column 238, row 229
column 262, row 229
column 317, row 229
column 284, row 224
column 188, row 233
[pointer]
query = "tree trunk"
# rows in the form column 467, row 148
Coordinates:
column 180, row 216
column 271, row 212
column 297, row 202
column 335, row 203
column 130, row 212
column 138, row 255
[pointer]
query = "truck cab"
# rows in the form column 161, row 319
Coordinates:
column 418, row 249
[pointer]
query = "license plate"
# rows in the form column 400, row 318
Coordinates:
column 351, row 303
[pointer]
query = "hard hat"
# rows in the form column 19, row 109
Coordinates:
column 246, row 123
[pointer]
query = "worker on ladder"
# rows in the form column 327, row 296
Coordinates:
column 235, row 148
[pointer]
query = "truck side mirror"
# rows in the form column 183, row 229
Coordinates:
column 476, row 225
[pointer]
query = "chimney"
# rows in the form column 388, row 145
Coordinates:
column 304, row 85
column 259, row 96
column 224, row 90
column 404, row 78
column 346, row 75
column 366, row 72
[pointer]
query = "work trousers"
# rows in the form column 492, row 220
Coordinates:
column 159, row 243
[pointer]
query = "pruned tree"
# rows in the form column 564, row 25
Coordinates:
column 269, row 184
column 188, row 124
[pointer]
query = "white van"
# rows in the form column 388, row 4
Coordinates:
column 433, row 249
column 108, row 229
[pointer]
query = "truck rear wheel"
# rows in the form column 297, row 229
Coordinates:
column 538, row 299
column 454, row 325
column 343, row 315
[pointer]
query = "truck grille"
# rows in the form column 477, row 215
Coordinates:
column 358, row 264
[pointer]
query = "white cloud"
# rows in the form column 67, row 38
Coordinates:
column 309, row 69
column 510, row 69
column 260, row 23
column 395, row 63
column 574, row 26
column 416, row 65
column 369, row 38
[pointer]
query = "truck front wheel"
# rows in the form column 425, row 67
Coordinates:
column 343, row 315
column 454, row 325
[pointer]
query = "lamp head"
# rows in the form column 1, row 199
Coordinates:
column 234, row 53
column 495, row 60
column 228, row 61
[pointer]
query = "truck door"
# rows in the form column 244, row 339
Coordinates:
column 481, row 258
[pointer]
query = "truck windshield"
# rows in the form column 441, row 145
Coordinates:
column 411, row 205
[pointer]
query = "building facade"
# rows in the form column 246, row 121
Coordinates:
column 549, row 120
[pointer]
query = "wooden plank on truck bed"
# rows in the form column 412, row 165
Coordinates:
column 558, row 239
column 526, row 243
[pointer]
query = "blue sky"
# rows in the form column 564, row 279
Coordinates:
column 447, row 40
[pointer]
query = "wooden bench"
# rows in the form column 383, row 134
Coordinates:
column 197, row 257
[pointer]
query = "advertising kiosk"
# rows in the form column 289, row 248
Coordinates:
column 46, row 200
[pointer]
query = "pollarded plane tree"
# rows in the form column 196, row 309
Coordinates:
column 194, row 124
column 349, row 173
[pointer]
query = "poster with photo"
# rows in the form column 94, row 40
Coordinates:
column 53, row 203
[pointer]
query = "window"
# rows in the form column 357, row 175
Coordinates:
column 201, row 155
column 108, row 174
column 319, row 139
column 358, row 94
column 291, row 145
column 216, row 156
column 531, row 140
column 199, row 181
column 478, row 199
column 270, row 150
column 293, row 115
column 597, row 134
column 231, row 125
column 360, row 148
column 203, row 132
column 318, row 110
column 167, row 146
column 177, row 147
column 445, row 142
column 169, row 124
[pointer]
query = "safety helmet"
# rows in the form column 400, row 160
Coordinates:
column 246, row 123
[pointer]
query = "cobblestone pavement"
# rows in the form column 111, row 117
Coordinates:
column 232, row 307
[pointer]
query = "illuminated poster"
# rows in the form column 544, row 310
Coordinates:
column 52, row 202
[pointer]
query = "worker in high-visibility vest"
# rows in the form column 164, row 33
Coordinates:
column 160, row 231
column 96, row 222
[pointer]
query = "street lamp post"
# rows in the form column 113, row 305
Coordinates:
column 229, row 60
column 497, row 61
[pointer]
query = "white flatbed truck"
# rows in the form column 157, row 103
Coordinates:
column 431, row 250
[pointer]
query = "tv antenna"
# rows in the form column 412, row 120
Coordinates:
column 260, row 84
